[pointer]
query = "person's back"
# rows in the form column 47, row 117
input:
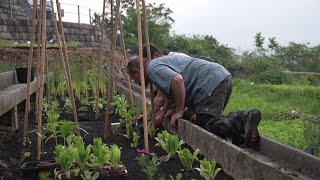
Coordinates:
column 200, row 77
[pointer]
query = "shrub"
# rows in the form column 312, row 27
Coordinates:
column 273, row 76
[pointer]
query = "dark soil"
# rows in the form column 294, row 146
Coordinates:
column 11, row 149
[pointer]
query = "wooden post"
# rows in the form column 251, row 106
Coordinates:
column 99, row 60
column 125, row 61
column 78, row 14
column 27, row 108
column 90, row 16
column 66, row 62
column 143, row 92
column 148, row 56
column 41, row 78
column 110, row 84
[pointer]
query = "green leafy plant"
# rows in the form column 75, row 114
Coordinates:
column 135, row 140
column 129, row 130
column 150, row 167
column 81, row 154
column 88, row 175
column 208, row 169
column 187, row 158
column 101, row 153
column 115, row 155
column 67, row 105
column 151, row 130
column 178, row 177
column 170, row 143
column 64, row 157
column 44, row 175
column 67, row 128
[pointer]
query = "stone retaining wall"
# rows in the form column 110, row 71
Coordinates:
column 19, row 30
column 17, row 10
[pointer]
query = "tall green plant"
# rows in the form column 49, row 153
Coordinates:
column 101, row 153
column 81, row 154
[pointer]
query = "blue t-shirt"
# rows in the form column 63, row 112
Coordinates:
column 200, row 77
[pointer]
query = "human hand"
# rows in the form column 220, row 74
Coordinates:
column 174, row 119
column 159, row 119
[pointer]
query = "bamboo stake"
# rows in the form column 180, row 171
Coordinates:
column 38, row 61
column 110, row 84
column 42, row 64
column 125, row 61
column 27, row 108
column 100, row 59
column 148, row 56
column 66, row 62
column 143, row 92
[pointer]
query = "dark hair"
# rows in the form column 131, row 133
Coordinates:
column 153, row 49
column 134, row 64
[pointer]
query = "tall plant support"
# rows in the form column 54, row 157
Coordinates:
column 100, row 59
column 66, row 62
column 110, row 84
column 143, row 92
column 42, row 64
column 148, row 56
column 27, row 107
column 125, row 61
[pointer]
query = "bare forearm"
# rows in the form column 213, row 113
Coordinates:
column 179, row 92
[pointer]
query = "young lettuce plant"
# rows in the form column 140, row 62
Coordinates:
column 208, row 169
column 187, row 158
column 81, row 154
column 115, row 155
column 88, row 175
column 150, row 167
column 151, row 130
column 170, row 143
column 135, row 140
column 101, row 153
column 64, row 157
column 129, row 130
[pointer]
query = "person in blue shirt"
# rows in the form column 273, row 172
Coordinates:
column 203, row 86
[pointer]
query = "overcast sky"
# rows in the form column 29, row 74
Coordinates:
column 235, row 22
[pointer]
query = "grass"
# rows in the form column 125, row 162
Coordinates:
column 280, row 106
column 12, row 44
column 6, row 67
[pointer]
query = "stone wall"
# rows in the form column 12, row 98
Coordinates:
column 19, row 30
column 17, row 11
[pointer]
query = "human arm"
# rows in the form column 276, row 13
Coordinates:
column 179, row 93
column 167, row 105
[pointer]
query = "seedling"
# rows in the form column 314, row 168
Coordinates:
column 115, row 155
column 208, row 170
column 101, row 153
column 187, row 158
column 129, row 130
column 88, row 175
column 44, row 175
column 81, row 154
column 170, row 143
column 149, row 167
column 64, row 157
column 135, row 140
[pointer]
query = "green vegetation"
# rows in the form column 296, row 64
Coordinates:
column 282, row 107
column 12, row 44
column 4, row 67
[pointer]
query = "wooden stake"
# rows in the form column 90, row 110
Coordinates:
column 143, row 92
column 125, row 61
column 149, row 57
column 110, row 84
column 27, row 107
column 42, row 64
column 69, row 80
column 100, row 59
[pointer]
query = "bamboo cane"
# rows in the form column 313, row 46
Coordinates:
column 38, row 61
column 110, row 84
column 148, row 56
column 125, row 61
column 99, row 61
column 27, row 108
column 42, row 64
column 143, row 92
column 66, row 62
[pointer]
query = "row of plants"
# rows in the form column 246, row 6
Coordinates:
column 168, row 142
